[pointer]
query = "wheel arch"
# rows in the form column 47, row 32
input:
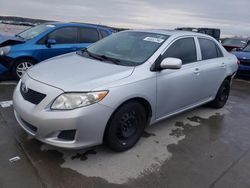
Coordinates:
column 23, row 57
column 26, row 57
column 229, row 78
column 145, row 103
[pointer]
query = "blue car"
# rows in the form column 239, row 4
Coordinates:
column 20, row 52
column 244, row 58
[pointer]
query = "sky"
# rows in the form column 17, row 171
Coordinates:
column 231, row 16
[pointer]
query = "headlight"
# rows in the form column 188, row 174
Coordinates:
column 5, row 50
column 70, row 101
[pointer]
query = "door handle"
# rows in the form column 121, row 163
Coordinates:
column 223, row 65
column 74, row 49
column 196, row 71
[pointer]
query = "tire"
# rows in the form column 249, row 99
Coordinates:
column 222, row 95
column 21, row 66
column 125, row 127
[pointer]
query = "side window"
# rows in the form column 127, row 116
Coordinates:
column 209, row 49
column 219, row 52
column 104, row 33
column 183, row 49
column 88, row 35
column 66, row 35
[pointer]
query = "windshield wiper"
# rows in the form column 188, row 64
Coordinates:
column 102, row 57
column 93, row 55
column 113, row 60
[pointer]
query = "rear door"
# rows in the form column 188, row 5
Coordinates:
column 179, row 89
column 213, row 65
column 87, row 36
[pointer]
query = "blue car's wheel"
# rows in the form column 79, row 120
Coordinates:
column 21, row 66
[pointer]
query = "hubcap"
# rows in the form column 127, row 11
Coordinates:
column 128, row 125
column 22, row 68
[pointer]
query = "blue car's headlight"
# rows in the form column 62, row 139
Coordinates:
column 5, row 50
column 70, row 101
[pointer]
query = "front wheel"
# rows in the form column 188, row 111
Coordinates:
column 21, row 66
column 125, row 127
column 222, row 95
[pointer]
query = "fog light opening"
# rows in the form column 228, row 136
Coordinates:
column 68, row 135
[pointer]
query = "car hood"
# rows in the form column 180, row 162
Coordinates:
column 72, row 72
column 242, row 55
column 10, row 40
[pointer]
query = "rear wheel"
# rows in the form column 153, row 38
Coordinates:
column 222, row 95
column 21, row 66
column 125, row 127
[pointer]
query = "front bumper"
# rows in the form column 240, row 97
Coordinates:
column 88, row 122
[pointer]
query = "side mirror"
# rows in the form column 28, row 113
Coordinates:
column 171, row 63
column 50, row 42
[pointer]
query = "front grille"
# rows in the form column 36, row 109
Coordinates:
column 244, row 62
column 30, row 95
column 29, row 126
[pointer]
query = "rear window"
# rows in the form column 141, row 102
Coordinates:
column 104, row 33
column 88, row 35
column 209, row 49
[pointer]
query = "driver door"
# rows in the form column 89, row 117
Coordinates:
column 179, row 89
column 66, row 41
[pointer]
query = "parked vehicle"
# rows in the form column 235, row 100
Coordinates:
column 110, row 91
column 244, row 59
column 20, row 52
column 209, row 31
column 233, row 44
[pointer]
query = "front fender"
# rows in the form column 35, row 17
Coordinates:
column 145, row 89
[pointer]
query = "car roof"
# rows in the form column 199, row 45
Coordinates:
column 172, row 32
column 77, row 24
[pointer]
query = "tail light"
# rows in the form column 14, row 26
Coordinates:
column 238, row 62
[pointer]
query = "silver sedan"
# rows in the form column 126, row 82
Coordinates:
column 110, row 91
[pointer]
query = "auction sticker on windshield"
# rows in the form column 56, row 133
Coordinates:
column 50, row 26
column 153, row 39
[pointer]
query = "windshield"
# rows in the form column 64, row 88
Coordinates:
column 235, row 42
column 34, row 31
column 247, row 48
column 129, row 48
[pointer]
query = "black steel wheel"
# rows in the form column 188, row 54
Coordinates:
column 125, row 127
column 222, row 95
